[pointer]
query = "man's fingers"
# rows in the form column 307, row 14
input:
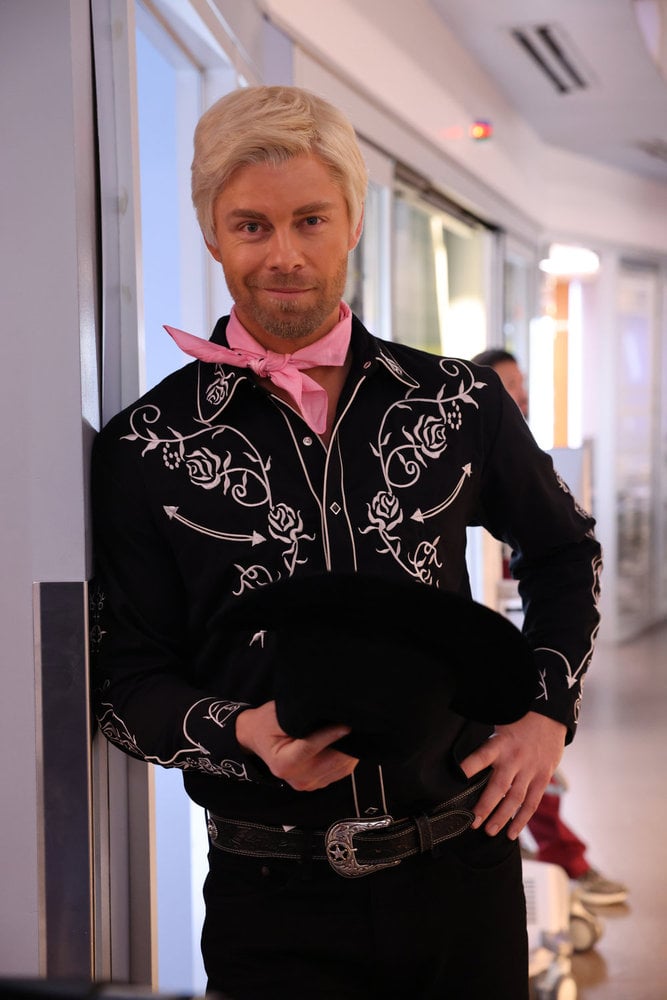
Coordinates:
column 493, row 795
column 517, row 804
column 531, row 801
column 480, row 759
column 507, row 807
column 519, row 821
column 523, row 756
column 310, row 763
column 319, row 771
column 322, row 738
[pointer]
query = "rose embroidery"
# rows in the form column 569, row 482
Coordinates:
column 404, row 458
column 204, row 468
column 384, row 512
column 242, row 474
column 286, row 525
column 430, row 435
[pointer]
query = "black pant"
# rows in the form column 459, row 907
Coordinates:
column 445, row 927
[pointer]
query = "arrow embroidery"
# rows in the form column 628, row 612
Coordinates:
column 421, row 517
column 255, row 538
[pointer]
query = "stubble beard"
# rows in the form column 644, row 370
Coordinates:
column 291, row 320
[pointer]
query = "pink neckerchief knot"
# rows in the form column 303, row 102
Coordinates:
column 284, row 370
column 272, row 363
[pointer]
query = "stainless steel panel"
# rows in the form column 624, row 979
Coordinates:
column 64, row 763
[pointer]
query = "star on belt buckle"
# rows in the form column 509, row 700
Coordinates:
column 341, row 852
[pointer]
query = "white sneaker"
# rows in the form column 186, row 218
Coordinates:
column 594, row 889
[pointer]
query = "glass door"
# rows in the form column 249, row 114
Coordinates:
column 637, row 482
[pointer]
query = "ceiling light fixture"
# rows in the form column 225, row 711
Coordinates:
column 570, row 261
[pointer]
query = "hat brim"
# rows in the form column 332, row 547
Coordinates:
column 391, row 660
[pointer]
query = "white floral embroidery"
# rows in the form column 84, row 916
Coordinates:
column 251, row 577
column 240, row 472
column 423, row 440
column 193, row 756
column 286, row 525
column 574, row 675
column 220, row 387
column 204, row 468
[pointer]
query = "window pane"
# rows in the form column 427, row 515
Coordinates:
column 438, row 280
column 368, row 270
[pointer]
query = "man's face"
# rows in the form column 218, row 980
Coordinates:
column 283, row 235
column 512, row 378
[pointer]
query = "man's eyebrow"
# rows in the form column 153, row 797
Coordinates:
column 245, row 213
column 312, row 208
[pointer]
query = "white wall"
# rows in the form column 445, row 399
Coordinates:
column 46, row 290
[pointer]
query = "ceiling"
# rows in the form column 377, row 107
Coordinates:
column 579, row 71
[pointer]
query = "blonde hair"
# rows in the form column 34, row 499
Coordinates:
column 272, row 125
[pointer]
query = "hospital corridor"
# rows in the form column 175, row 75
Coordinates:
column 617, row 803
column 494, row 187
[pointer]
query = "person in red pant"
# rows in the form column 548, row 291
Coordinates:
column 555, row 842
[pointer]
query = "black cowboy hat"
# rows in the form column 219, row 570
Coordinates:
column 391, row 660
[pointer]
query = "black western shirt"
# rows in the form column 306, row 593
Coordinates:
column 209, row 487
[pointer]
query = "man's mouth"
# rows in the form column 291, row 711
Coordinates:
column 286, row 288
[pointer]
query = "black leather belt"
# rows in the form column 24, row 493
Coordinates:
column 353, row 846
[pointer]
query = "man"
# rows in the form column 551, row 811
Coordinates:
column 299, row 445
column 556, row 841
column 507, row 367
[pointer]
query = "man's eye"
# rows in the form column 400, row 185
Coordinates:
column 312, row 220
column 251, row 227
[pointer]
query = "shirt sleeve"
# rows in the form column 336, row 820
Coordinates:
column 143, row 696
column 556, row 560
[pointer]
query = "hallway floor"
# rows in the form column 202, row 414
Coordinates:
column 617, row 803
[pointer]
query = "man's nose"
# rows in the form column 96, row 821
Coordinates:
column 284, row 251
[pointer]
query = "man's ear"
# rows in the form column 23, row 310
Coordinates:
column 355, row 235
column 213, row 250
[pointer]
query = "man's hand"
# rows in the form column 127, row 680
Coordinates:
column 304, row 764
column 524, row 755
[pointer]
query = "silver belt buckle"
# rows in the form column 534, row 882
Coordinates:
column 341, row 852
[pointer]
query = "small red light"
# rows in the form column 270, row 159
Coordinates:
column 481, row 130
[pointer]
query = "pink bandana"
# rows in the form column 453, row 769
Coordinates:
column 284, row 370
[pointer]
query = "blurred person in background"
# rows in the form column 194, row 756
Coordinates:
column 555, row 841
